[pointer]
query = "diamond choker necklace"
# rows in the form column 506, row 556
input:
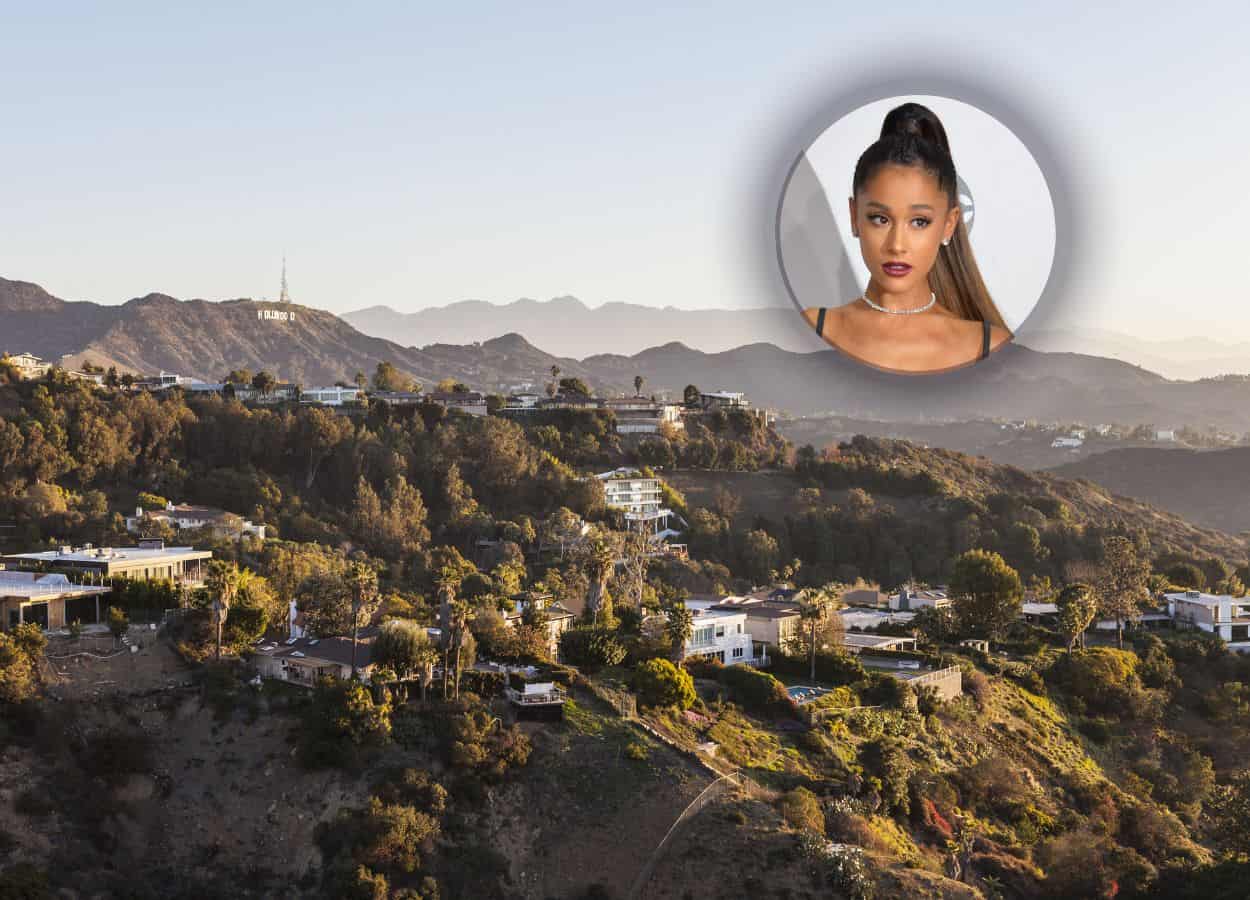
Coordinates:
column 901, row 312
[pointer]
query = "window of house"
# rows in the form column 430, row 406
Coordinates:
column 737, row 652
column 1240, row 633
column 720, row 630
column 739, row 628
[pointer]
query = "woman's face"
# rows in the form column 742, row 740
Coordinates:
column 902, row 217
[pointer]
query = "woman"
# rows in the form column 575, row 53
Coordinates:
column 926, row 308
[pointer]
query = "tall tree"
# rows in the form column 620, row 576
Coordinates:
column 405, row 647
column 820, row 626
column 223, row 587
column 679, row 626
column 264, row 382
column 599, row 563
column 362, row 582
column 1077, row 608
column 455, row 612
column 638, row 383
column 1121, row 584
column 985, row 594
column 691, row 395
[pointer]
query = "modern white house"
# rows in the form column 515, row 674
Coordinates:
column 185, row 515
column 150, row 561
column 723, row 400
column 330, row 396
column 912, row 599
column 640, row 415
column 1067, row 443
column 50, row 601
column 29, row 366
column 639, row 497
column 723, row 634
column 1219, row 614
column 471, row 402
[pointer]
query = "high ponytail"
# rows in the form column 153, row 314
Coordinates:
column 912, row 135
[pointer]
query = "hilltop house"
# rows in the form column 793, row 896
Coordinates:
column 150, row 561
column 912, row 599
column 398, row 398
column 723, row 634
column 771, row 622
column 559, row 619
column 723, row 400
column 183, row 515
column 50, row 601
column 331, row 396
column 639, row 415
column 471, row 402
column 28, row 366
column 302, row 660
column 639, row 497
column 1220, row 614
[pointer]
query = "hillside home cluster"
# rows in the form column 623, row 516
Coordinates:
column 31, row 368
column 184, row 515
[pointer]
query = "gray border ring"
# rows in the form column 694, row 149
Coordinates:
column 1054, row 171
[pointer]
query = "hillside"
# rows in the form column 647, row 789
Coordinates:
column 1208, row 487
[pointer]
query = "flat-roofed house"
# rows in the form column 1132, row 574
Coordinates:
column 639, row 415
column 150, row 561
column 639, row 497
column 912, row 599
column 471, row 402
column 1225, row 616
column 724, row 635
column 29, row 366
column 49, row 600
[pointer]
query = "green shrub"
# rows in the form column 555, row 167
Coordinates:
column 660, row 683
column 801, row 810
column 759, row 693
column 591, row 646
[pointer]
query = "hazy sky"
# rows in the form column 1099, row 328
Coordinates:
column 499, row 150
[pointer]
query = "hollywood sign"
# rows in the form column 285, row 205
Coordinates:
column 275, row 315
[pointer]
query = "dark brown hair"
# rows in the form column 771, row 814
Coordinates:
column 912, row 135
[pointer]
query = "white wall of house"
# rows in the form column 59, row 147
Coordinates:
column 723, row 635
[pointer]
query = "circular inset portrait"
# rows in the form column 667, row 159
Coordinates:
column 916, row 234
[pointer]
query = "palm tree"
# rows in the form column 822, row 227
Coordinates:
column 223, row 586
column 638, row 382
column 815, row 606
column 363, row 582
column 601, row 560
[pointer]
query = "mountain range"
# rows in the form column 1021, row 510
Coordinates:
column 207, row 339
column 566, row 326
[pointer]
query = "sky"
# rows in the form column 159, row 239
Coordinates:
column 494, row 151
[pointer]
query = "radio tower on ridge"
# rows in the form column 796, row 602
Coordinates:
column 286, row 297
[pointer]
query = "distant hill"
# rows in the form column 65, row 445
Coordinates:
column 1187, row 357
column 567, row 327
column 1208, row 487
column 207, row 339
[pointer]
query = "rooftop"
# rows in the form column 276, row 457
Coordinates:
column 35, row 584
column 112, row 554
column 334, row 649
column 1203, row 599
